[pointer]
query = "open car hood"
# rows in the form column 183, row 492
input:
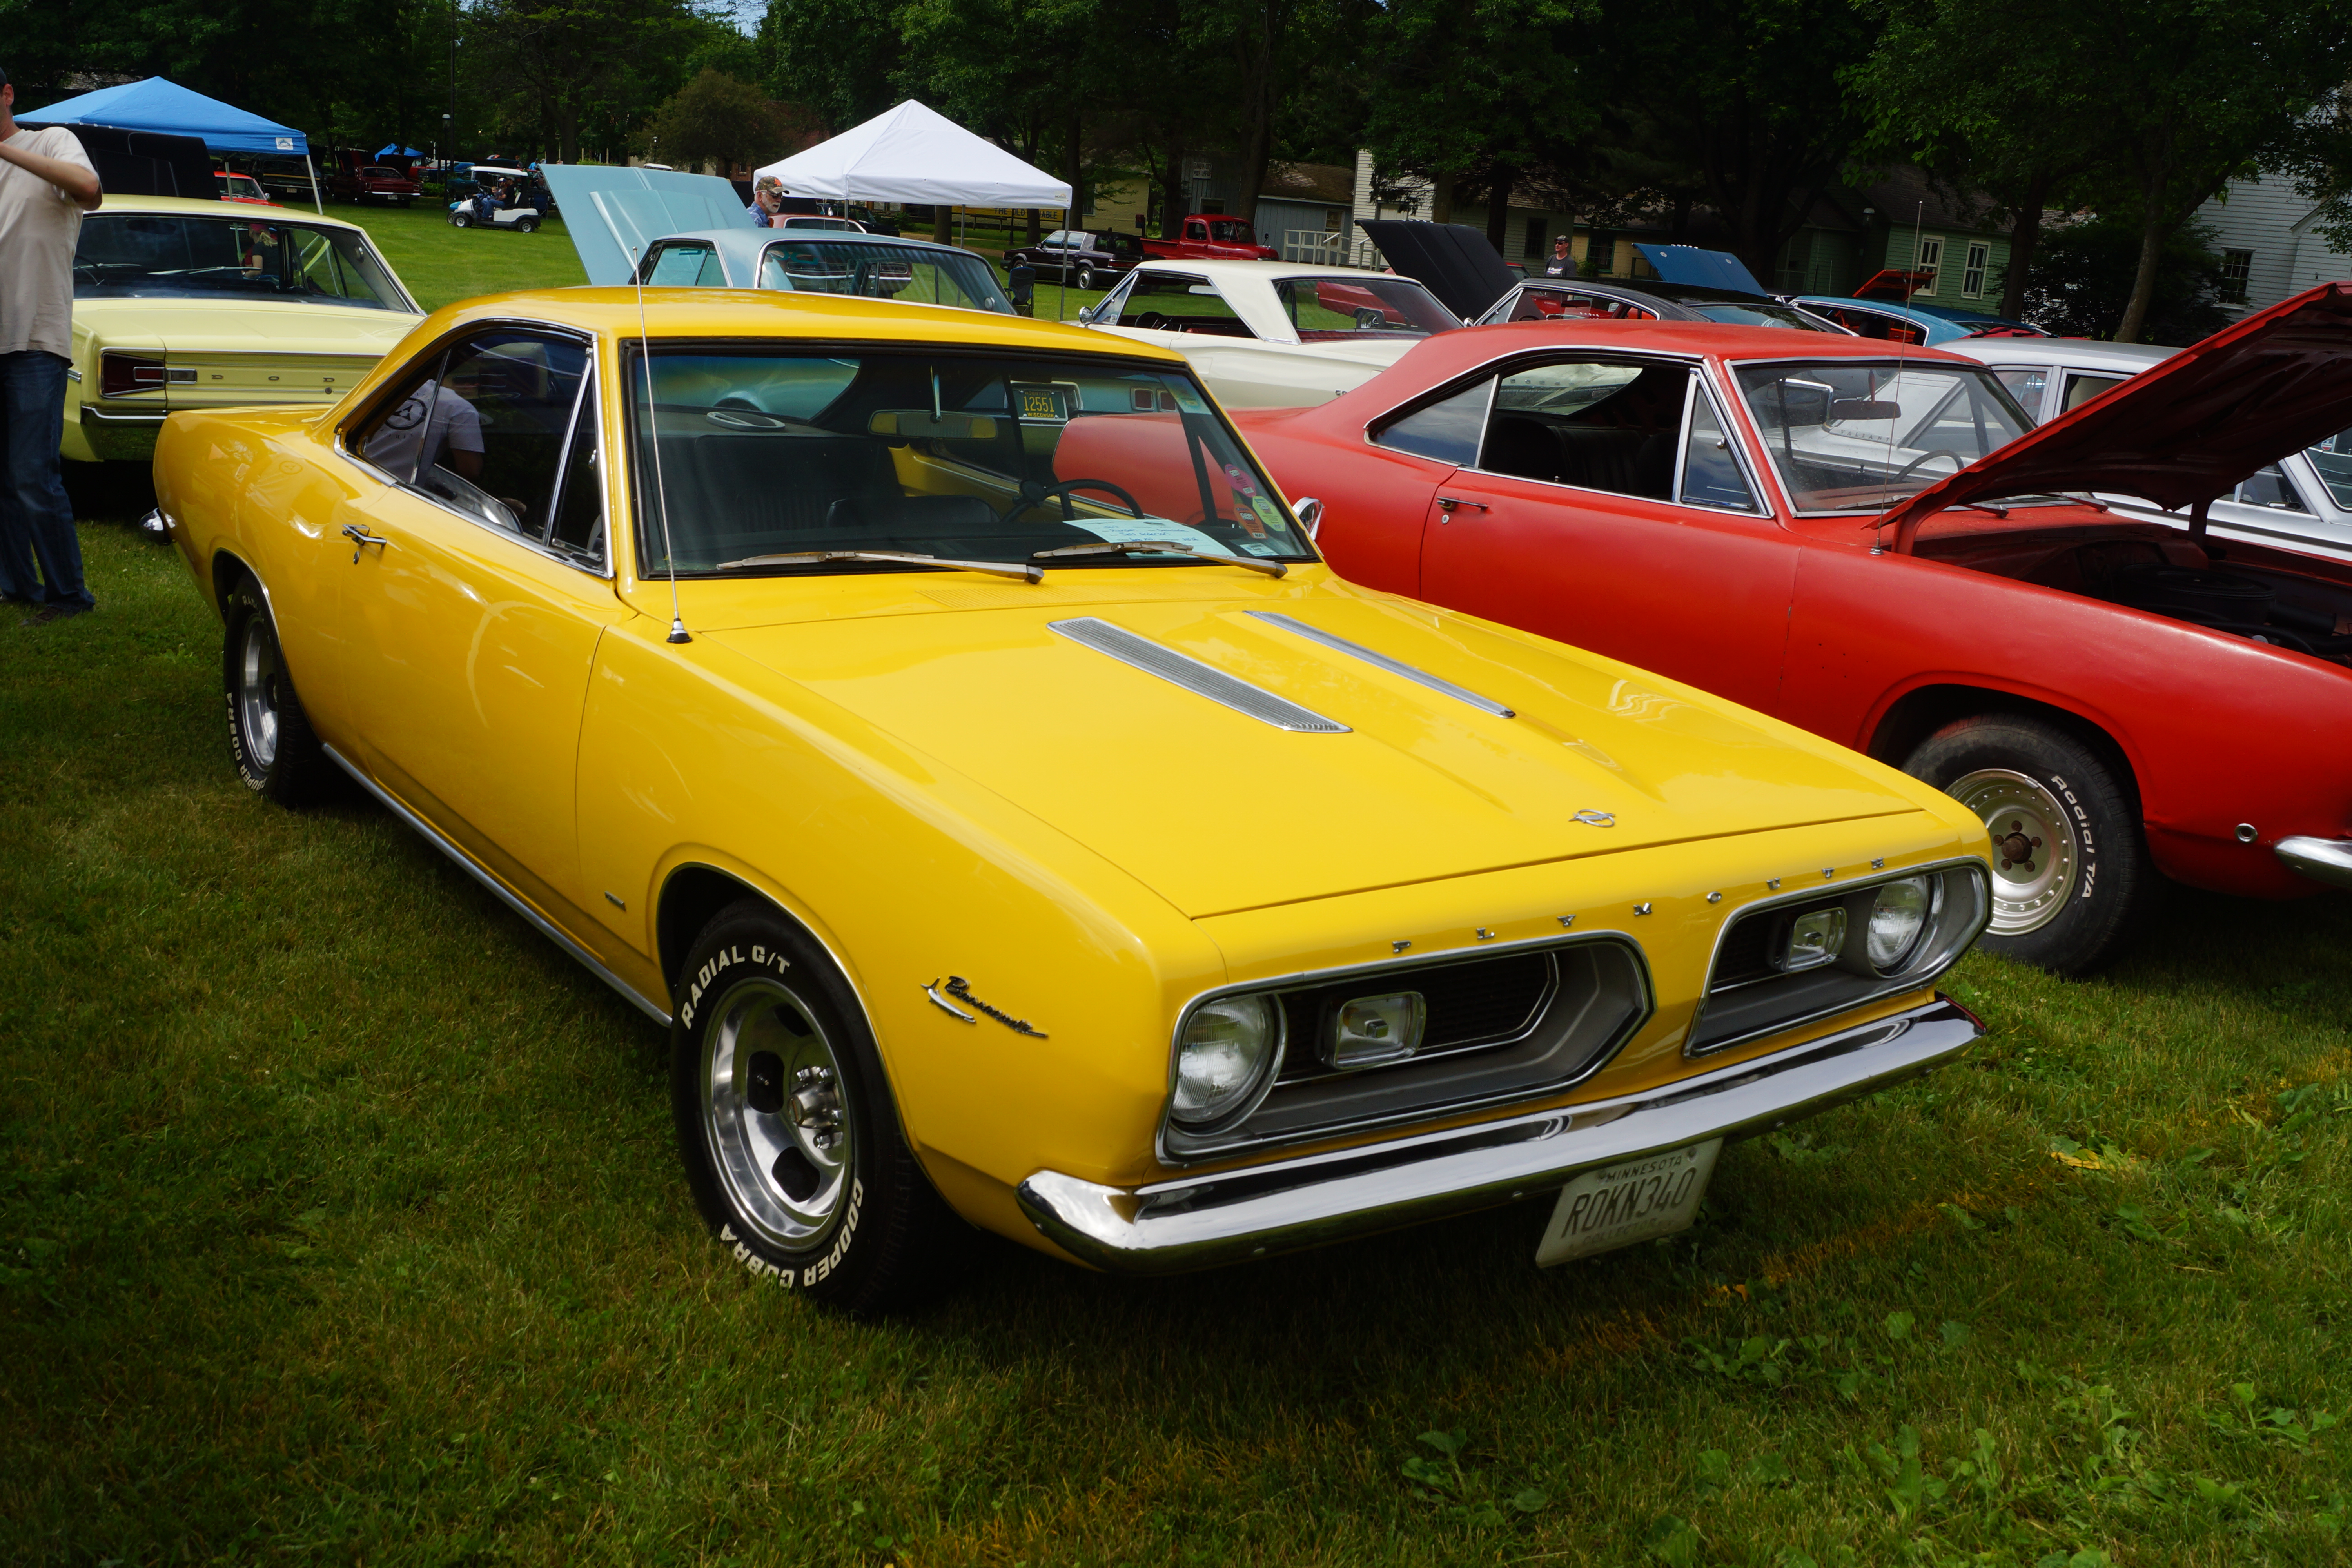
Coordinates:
column 611, row 212
column 1452, row 260
column 2186, row 431
column 1708, row 268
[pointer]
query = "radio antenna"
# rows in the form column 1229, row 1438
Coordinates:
column 678, row 632
column 1902, row 347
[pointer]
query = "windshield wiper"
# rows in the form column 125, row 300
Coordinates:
column 1166, row 547
column 812, row 557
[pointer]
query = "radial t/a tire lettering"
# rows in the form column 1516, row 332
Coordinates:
column 270, row 735
column 2073, row 883
column 787, row 1126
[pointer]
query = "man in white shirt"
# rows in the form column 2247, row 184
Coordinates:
column 433, row 428
column 46, row 185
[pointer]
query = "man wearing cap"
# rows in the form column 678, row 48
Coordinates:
column 767, row 201
column 46, row 185
column 1561, row 264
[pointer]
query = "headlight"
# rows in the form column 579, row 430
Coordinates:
column 1898, row 918
column 1227, row 1058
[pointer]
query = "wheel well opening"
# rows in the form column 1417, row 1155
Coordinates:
column 227, row 573
column 690, row 900
column 1918, row 714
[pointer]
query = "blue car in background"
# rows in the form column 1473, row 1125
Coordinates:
column 1913, row 322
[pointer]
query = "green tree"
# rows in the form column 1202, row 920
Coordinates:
column 716, row 118
column 557, row 67
column 839, row 59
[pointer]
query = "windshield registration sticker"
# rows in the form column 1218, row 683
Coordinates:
column 1148, row 531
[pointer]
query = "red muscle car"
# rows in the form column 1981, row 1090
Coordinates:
column 1870, row 542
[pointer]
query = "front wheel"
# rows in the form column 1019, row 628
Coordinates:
column 2072, row 882
column 270, row 735
column 527, row 224
column 1085, row 278
column 463, row 220
column 787, row 1127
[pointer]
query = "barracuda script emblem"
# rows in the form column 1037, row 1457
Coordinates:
column 957, row 986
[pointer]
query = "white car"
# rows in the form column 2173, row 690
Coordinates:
column 1267, row 334
column 2304, row 500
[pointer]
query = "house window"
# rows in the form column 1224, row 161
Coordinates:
column 1929, row 260
column 1601, row 255
column 1534, row 237
column 1972, row 281
column 2235, row 266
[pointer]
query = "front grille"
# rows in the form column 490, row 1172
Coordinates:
column 1501, row 1027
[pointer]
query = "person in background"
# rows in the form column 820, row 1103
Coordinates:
column 1560, row 263
column 46, row 185
column 767, row 201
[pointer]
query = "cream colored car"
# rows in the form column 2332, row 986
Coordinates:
column 182, row 304
column 1269, row 334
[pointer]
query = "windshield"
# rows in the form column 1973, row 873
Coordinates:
column 163, row 255
column 1325, row 309
column 1741, row 313
column 909, row 274
column 1855, row 436
column 962, row 456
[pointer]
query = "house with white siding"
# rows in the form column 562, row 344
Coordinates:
column 2266, row 243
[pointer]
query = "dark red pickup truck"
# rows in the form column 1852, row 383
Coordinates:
column 1208, row 237
column 372, row 183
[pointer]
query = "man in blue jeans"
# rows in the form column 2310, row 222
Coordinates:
column 46, row 185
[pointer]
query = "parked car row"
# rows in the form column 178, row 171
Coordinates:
column 1673, row 699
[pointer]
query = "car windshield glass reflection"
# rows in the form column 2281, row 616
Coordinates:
column 1850, row 436
column 168, row 255
column 1328, row 310
column 958, row 456
column 909, row 274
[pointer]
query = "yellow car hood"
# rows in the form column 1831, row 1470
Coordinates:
column 1219, row 811
column 195, row 326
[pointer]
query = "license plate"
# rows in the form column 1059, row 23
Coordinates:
column 1618, row 1205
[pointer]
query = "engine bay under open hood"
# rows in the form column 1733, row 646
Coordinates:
column 2186, row 431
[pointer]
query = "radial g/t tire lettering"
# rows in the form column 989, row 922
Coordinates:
column 787, row 1126
column 2072, row 880
column 270, row 735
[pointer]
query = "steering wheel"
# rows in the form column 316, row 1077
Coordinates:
column 1153, row 322
column 1034, row 494
column 1958, row 463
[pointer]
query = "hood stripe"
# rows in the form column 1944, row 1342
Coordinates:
column 1204, row 679
column 1380, row 660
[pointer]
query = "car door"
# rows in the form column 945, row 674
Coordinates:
column 477, row 590
column 1610, row 505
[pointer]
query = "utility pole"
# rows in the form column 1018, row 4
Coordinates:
column 453, row 79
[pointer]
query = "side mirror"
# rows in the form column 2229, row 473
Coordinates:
column 1310, row 513
column 1087, row 316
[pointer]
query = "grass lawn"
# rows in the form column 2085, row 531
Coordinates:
column 442, row 264
column 340, row 1223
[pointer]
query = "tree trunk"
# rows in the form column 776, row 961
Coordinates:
column 1678, row 231
column 1499, row 207
column 943, row 224
column 2143, row 294
column 1441, row 196
column 1258, row 131
column 2024, row 237
column 1074, row 168
column 1172, row 216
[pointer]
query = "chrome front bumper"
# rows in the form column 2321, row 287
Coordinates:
column 2327, row 860
column 1201, row 1222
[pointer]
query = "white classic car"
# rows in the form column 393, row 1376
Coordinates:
column 1269, row 334
column 2305, row 500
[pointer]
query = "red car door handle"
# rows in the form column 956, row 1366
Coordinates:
column 1447, row 503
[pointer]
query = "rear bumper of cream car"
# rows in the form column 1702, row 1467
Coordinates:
column 1232, row 1216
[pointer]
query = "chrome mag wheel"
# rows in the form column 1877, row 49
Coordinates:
column 2034, row 853
column 773, row 1111
column 258, row 674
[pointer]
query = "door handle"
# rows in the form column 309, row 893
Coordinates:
column 361, row 539
column 1447, row 503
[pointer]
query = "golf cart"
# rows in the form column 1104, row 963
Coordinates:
column 481, row 210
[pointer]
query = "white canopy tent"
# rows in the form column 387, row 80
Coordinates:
column 916, row 154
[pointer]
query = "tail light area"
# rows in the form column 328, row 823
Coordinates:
column 122, row 374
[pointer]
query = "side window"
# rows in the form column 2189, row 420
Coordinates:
column 579, row 526
column 1598, row 424
column 2081, row 389
column 1446, row 431
column 1180, row 302
column 2026, row 383
column 686, row 266
column 1711, row 474
column 2271, row 487
column 481, row 426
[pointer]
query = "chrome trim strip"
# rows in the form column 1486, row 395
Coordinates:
column 465, row 863
column 98, row 416
column 2327, row 860
column 1229, row 1216
column 1202, row 679
column 1381, row 970
column 1383, row 662
column 1923, row 974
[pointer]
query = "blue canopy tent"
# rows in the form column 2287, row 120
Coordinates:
column 394, row 150
column 155, row 104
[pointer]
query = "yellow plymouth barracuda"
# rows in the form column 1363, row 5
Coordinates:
column 943, row 727
column 194, row 304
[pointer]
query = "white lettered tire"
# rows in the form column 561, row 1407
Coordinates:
column 787, row 1126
